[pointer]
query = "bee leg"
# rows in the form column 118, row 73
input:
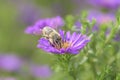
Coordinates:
column 58, row 44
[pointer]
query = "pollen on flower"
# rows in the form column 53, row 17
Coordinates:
column 66, row 45
column 62, row 45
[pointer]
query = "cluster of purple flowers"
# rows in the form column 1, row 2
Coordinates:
column 108, row 4
column 13, row 63
column 72, row 43
column 100, row 18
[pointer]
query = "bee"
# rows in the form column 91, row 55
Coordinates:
column 53, row 36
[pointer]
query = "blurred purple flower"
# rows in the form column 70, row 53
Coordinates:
column 39, row 25
column 108, row 4
column 9, row 62
column 58, row 8
column 28, row 13
column 40, row 71
column 101, row 18
column 77, row 26
column 7, row 78
column 117, row 37
column 71, row 43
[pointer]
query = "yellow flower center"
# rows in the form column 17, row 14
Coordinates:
column 65, row 45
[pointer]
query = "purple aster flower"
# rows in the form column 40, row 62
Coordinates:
column 71, row 43
column 39, row 25
column 109, row 4
column 9, row 62
column 40, row 71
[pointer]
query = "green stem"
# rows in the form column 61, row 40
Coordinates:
column 65, row 63
column 93, row 67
